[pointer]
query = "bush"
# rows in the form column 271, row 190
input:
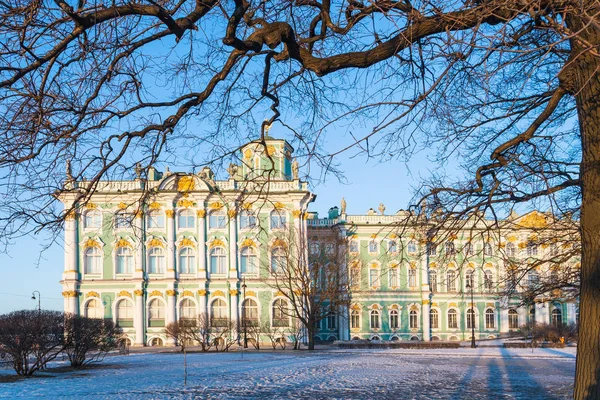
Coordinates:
column 87, row 340
column 31, row 338
column 550, row 333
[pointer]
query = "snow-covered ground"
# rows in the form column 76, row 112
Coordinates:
column 482, row 373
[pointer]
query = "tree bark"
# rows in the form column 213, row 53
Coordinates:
column 585, row 77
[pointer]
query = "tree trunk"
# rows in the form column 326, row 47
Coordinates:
column 586, row 87
column 310, row 331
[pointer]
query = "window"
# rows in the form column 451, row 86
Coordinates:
column 278, row 261
column 123, row 220
column 355, row 319
column 433, row 319
column 92, row 219
column 433, row 286
column 533, row 279
column 394, row 319
column 94, row 309
column 470, row 318
column 450, row 249
column 329, row 249
column 488, row 280
column 413, row 320
column 186, row 220
column 373, row 247
column 468, row 249
column 412, row 247
column 511, row 249
column 431, row 249
column 452, row 319
column 355, row 276
column 354, row 246
column 412, row 277
column 394, row 277
column 156, row 313
column 487, row 250
column 375, row 323
column 250, row 313
column 469, row 283
column 217, row 220
column 187, row 309
column 374, row 277
column 556, row 317
column 248, row 261
column 451, row 281
column 392, row 246
column 315, row 248
column 532, row 249
column 156, row 220
column 218, row 313
column 490, row 322
column 217, row 261
column 187, row 261
column 280, row 313
column 513, row 319
column 331, row 322
column 156, row 261
column 92, row 261
column 125, row 313
column 124, row 260
column 247, row 220
column 532, row 315
column 278, row 219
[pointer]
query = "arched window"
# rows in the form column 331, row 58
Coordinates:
column 187, row 261
column 392, row 246
column 373, row 247
column 218, row 313
column 412, row 247
column 513, row 319
column 278, row 219
column 217, row 220
column 532, row 249
column 355, row 319
column 470, row 318
column 490, row 319
column 487, row 250
column 125, row 313
column 556, row 317
column 92, row 219
column 92, row 261
column 94, row 309
column 331, row 322
column 431, row 249
column 412, row 278
column 450, row 249
column 488, row 280
column 374, row 277
column 433, row 319
column 156, row 261
column 123, row 220
column 124, row 260
column 156, row 313
column 280, row 313
column 186, row 220
column 433, row 286
column 451, row 281
column 469, row 283
column 533, row 279
column 375, row 323
column 278, row 261
column 355, row 276
column 354, row 246
column 511, row 250
column 248, row 260
column 250, row 313
column 468, row 249
column 247, row 220
column 413, row 320
column 452, row 319
column 217, row 261
column 394, row 277
column 315, row 248
column 394, row 319
column 187, row 309
column 156, row 219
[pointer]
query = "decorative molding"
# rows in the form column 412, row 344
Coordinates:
column 186, row 184
column 492, row 305
column 156, row 293
column 123, row 243
column 187, row 293
column 296, row 213
column 248, row 243
column 279, row 206
column 92, row 294
column 374, row 236
column 534, row 219
column 217, row 293
column 250, row 293
column 170, row 213
column 138, row 292
column 156, row 243
column 187, row 242
column 124, row 293
column 70, row 293
column 278, row 294
column 452, row 305
column 92, row 243
column 512, row 238
column 171, row 292
column 233, row 292
column 271, row 150
column 91, row 206
column 185, row 203
column 138, row 214
column 201, row 292
column 231, row 214
column 279, row 243
column 216, row 243
column 217, row 205
column 414, row 308
column 70, row 216
column 247, row 206
column 248, row 154
column 201, row 213
column 425, row 302
column 122, row 206
column 155, row 206
column 394, row 307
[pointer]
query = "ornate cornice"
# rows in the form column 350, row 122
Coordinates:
column 124, row 293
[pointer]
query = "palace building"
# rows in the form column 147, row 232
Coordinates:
column 148, row 251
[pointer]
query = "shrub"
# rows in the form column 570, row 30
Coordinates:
column 87, row 340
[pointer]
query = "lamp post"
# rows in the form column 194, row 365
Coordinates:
column 470, row 286
column 244, row 314
column 39, row 298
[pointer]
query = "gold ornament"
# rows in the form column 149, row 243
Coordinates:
column 170, row 213
column 156, row 243
column 124, row 293
column 92, row 243
column 533, row 220
column 138, row 292
column 248, row 243
column 122, row 206
column 186, row 184
column 201, row 292
column 279, row 206
column 70, row 293
column 91, row 206
column 217, row 293
column 122, row 243
column 155, row 206
column 250, row 293
column 156, row 293
column 92, row 294
column 171, row 292
column 187, row 293
column 217, row 205
column 233, row 292
column 296, row 213
column 201, row 213
column 185, row 203
column 216, row 243
column 186, row 242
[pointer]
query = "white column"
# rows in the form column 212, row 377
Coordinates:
column 233, row 270
column 425, row 319
column 522, row 312
column 139, row 250
column 201, row 244
column 66, row 303
column 74, row 302
column 138, row 321
column 170, row 313
column 70, row 244
column 202, row 302
column 170, row 244
column 234, row 306
column 503, row 320
column 540, row 314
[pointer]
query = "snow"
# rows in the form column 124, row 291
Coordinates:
column 482, row 373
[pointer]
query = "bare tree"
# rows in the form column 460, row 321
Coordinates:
column 88, row 340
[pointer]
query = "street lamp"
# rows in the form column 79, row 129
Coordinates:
column 244, row 314
column 472, row 319
column 39, row 298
